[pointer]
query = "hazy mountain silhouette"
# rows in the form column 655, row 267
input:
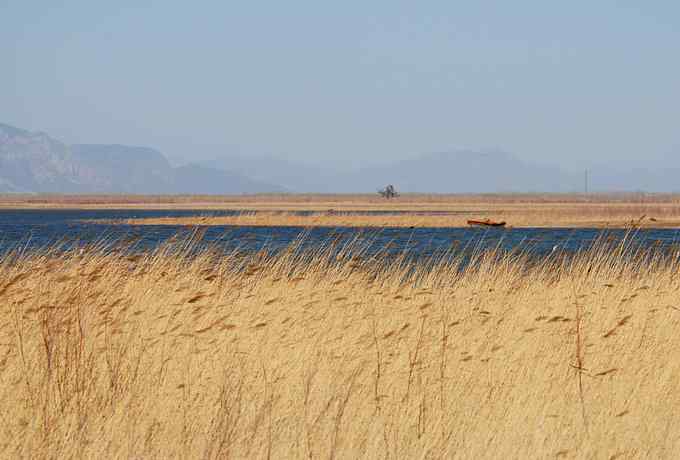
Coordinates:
column 34, row 162
column 465, row 171
column 296, row 177
column 448, row 172
column 114, row 168
column 460, row 171
column 199, row 179
column 635, row 178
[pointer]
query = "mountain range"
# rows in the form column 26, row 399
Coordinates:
column 34, row 162
column 460, row 171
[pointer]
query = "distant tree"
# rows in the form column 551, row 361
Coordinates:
column 388, row 192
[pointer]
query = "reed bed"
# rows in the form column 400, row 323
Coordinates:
column 321, row 201
column 408, row 210
column 535, row 215
column 335, row 353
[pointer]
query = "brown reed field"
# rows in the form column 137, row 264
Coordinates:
column 408, row 210
column 335, row 353
column 534, row 217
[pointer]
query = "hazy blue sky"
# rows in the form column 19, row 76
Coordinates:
column 572, row 82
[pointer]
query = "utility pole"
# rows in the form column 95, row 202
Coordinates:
column 586, row 183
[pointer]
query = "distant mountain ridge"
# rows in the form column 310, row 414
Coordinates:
column 457, row 171
column 296, row 177
column 466, row 171
column 33, row 162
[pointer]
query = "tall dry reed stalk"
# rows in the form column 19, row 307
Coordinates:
column 335, row 352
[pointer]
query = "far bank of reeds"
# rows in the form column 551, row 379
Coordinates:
column 577, row 216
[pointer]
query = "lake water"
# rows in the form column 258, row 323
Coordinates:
column 42, row 228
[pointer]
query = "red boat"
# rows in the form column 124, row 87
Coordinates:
column 486, row 223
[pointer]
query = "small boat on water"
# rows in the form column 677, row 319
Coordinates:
column 486, row 223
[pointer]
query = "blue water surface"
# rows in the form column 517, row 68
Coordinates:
column 35, row 229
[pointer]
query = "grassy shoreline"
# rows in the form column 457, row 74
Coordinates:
column 331, row 353
column 419, row 220
column 594, row 211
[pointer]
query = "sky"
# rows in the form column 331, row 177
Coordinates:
column 349, row 83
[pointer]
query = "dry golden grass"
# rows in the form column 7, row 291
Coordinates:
column 578, row 216
column 317, row 355
column 538, row 210
column 311, row 201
